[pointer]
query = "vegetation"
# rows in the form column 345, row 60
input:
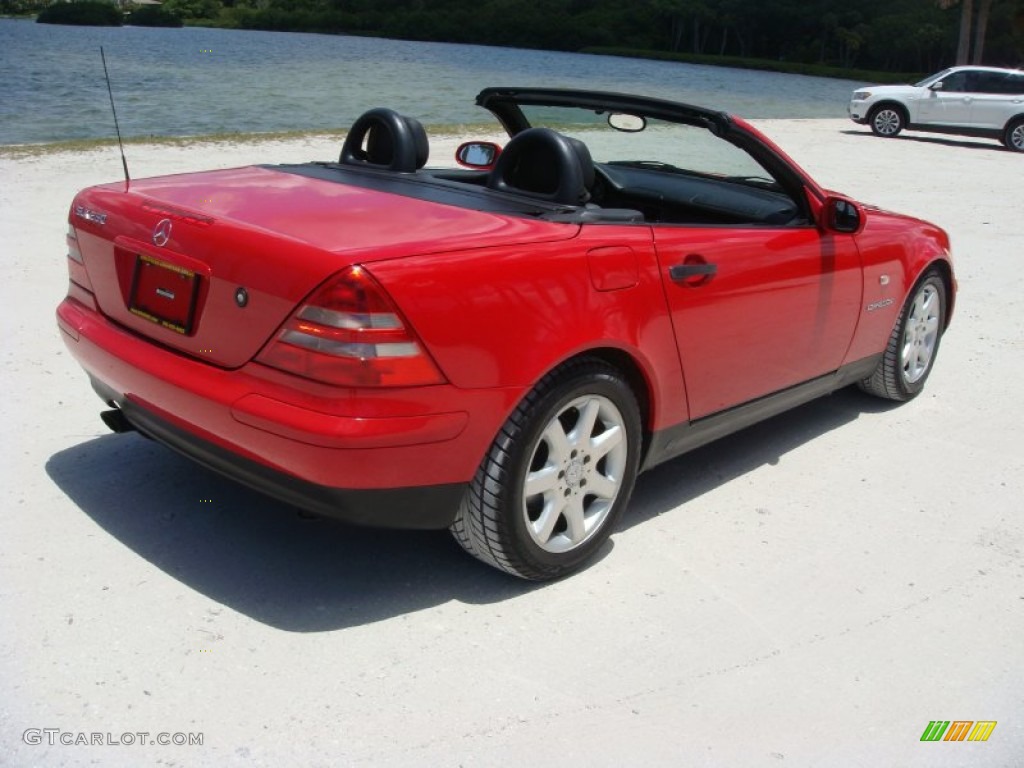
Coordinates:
column 153, row 16
column 86, row 13
column 967, row 50
column 899, row 36
column 767, row 65
column 888, row 35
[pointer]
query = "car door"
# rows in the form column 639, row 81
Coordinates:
column 949, row 102
column 757, row 309
column 1000, row 95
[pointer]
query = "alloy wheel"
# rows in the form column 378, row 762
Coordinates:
column 1017, row 137
column 921, row 333
column 576, row 471
column 887, row 122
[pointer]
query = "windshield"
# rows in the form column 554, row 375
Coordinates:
column 659, row 145
column 932, row 78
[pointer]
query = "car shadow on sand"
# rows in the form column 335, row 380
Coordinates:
column 264, row 559
column 985, row 144
column 674, row 483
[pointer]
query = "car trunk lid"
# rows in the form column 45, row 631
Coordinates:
column 211, row 264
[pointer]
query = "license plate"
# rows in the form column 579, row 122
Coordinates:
column 164, row 293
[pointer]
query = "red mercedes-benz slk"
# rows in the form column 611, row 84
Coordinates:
column 498, row 348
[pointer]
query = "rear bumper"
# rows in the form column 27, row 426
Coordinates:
column 389, row 458
column 424, row 507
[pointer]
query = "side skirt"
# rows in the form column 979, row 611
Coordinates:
column 953, row 130
column 679, row 439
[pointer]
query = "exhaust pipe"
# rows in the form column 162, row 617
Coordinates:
column 116, row 421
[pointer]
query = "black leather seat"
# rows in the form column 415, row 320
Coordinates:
column 546, row 165
column 382, row 138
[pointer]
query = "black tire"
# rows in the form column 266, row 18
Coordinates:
column 500, row 522
column 887, row 120
column 1013, row 136
column 913, row 344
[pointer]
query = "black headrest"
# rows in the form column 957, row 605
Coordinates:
column 586, row 163
column 544, row 164
column 419, row 135
column 382, row 138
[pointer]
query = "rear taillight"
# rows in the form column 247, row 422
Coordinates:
column 350, row 333
column 76, row 264
column 72, row 240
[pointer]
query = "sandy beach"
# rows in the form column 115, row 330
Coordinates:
column 810, row 592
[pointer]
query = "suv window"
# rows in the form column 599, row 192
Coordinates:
column 988, row 82
column 955, row 83
column 1013, row 84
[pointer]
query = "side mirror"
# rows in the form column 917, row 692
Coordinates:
column 935, row 86
column 480, row 155
column 841, row 216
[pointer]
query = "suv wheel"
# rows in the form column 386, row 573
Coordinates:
column 1013, row 136
column 886, row 120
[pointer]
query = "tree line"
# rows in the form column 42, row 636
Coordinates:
column 882, row 35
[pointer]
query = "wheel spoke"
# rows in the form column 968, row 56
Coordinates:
column 580, row 434
column 908, row 350
column 545, row 524
column 573, row 511
column 558, row 442
column 917, row 362
column 605, row 442
column 929, row 305
column 602, row 486
column 541, row 481
column 919, row 310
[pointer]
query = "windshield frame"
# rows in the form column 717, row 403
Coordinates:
column 504, row 103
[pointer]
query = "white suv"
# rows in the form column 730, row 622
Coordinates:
column 970, row 101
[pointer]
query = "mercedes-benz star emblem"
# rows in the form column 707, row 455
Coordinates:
column 162, row 232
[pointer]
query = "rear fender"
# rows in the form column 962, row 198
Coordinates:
column 505, row 317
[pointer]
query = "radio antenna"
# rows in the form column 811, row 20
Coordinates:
column 120, row 144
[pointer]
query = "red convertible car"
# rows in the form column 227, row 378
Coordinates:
column 497, row 348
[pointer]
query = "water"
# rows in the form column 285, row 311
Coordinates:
column 195, row 81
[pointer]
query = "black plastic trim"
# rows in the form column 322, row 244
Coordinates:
column 423, row 185
column 425, row 508
column 681, row 272
column 679, row 439
column 954, row 130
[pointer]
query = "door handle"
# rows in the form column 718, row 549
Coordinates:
column 682, row 272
